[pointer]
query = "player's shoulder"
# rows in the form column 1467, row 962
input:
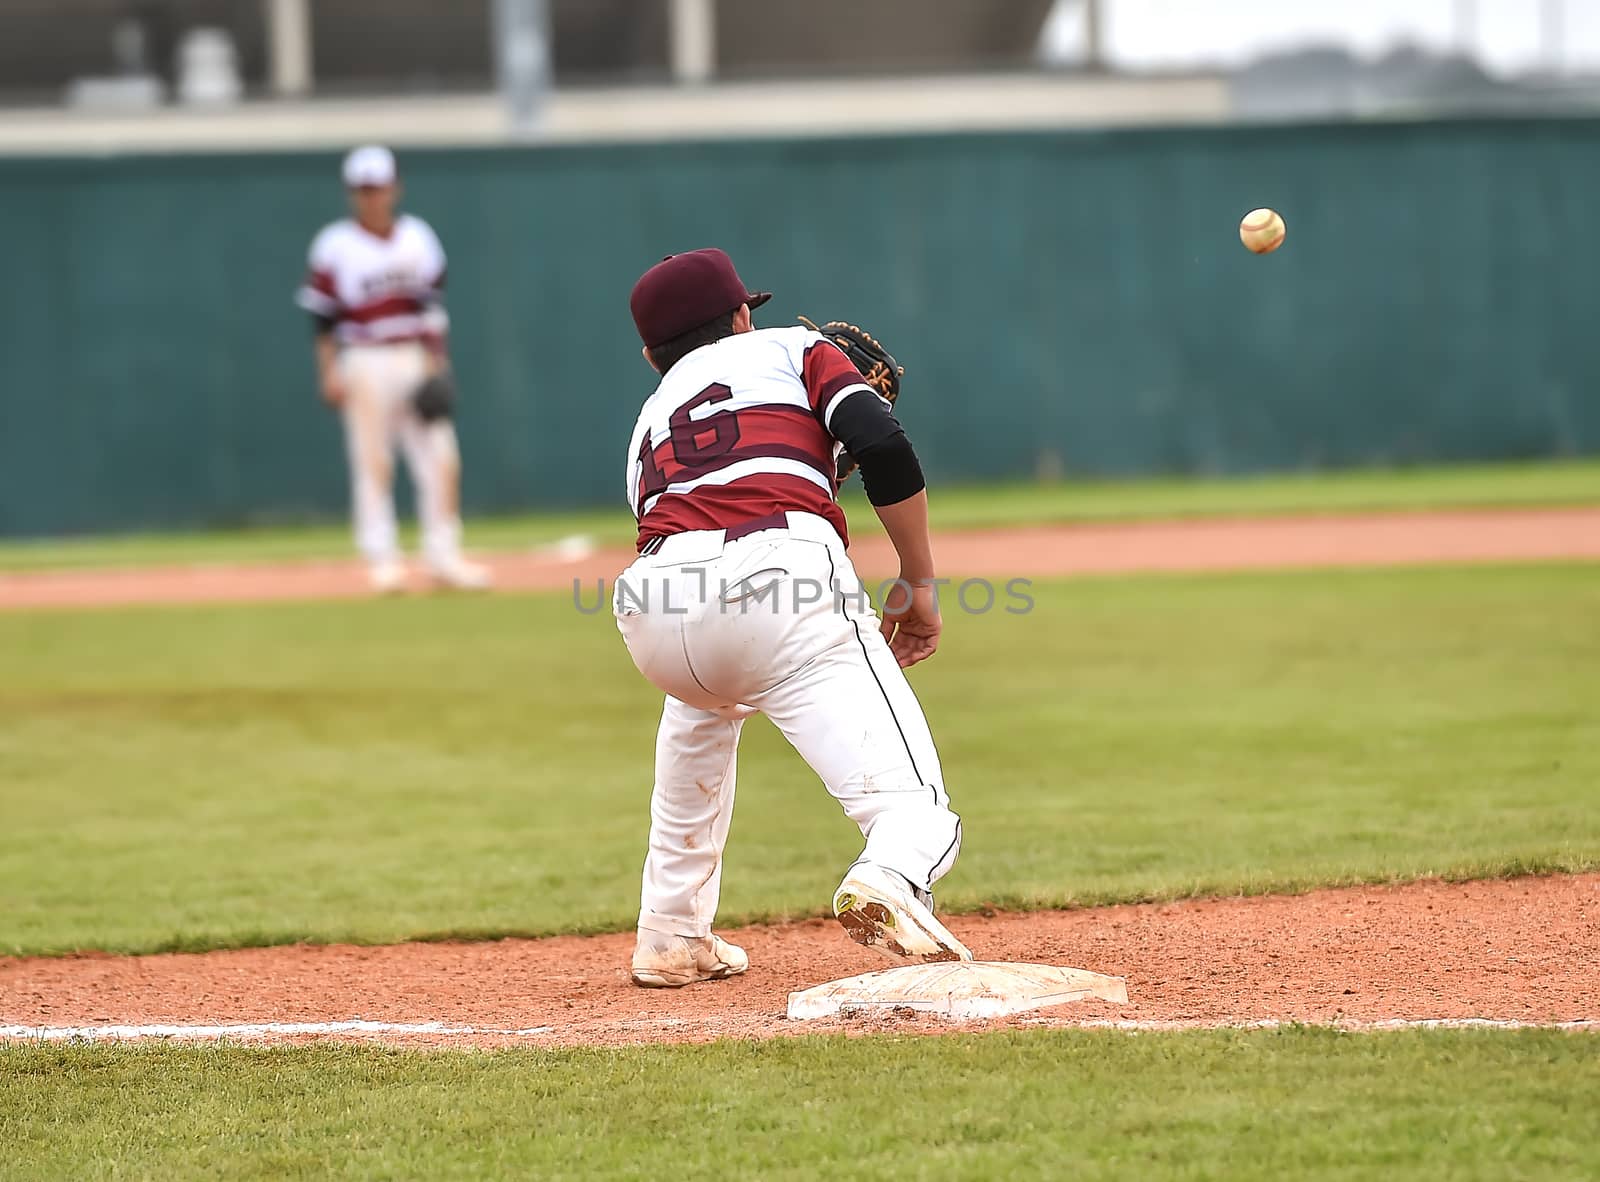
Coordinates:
column 792, row 340
column 333, row 236
column 793, row 336
column 414, row 226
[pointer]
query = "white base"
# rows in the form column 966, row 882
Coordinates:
column 958, row 990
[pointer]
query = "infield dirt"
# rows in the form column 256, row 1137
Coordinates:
column 1517, row 951
column 1378, row 539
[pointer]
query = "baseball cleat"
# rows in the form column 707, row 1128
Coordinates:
column 879, row 909
column 663, row 961
column 387, row 578
column 462, row 575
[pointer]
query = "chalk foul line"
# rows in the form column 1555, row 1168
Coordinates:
column 267, row 1031
column 250, row 1030
column 1347, row 1025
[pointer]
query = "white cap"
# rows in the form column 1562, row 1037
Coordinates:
column 369, row 165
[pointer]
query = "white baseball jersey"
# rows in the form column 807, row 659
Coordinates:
column 377, row 290
column 737, row 433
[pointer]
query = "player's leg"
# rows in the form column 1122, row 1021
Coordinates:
column 433, row 457
column 761, row 624
column 691, row 809
column 691, row 806
column 852, row 716
column 369, row 444
column 849, row 711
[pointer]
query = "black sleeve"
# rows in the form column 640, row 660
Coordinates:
column 890, row 471
column 322, row 325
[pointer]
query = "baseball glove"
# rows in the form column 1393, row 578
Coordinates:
column 435, row 398
column 877, row 365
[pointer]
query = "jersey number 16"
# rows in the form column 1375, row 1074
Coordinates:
column 695, row 442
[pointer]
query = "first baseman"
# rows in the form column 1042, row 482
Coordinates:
column 743, row 600
column 375, row 292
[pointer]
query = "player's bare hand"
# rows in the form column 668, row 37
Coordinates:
column 911, row 622
column 332, row 389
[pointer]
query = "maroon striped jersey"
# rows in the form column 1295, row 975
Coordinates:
column 738, row 431
column 377, row 289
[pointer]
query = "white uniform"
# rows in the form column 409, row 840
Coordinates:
column 383, row 295
column 743, row 599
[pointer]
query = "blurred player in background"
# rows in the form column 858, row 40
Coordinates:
column 375, row 293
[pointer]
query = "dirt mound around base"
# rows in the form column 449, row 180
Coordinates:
column 1524, row 950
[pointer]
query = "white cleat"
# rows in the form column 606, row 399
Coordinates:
column 663, row 961
column 387, row 577
column 461, row 575
column 879, row 909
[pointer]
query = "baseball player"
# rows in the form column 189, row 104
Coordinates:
column 743, row 600
column 375, row 294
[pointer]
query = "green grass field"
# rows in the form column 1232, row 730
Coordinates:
column 1465, row 486
column 376, row 771
column 371, row 771
column 1224, row 1105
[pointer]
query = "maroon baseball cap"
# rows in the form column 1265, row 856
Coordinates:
column 684, row 291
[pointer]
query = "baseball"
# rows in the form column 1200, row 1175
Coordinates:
column 1262, row 231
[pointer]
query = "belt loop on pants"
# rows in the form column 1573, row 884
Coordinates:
column 746, row 528
column 813, row 528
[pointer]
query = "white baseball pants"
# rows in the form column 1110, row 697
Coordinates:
column 775, row 622
column 379, row 381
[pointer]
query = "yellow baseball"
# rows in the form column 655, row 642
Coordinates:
column 1262, row 231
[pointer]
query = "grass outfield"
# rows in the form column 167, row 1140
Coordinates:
column 1465, row 486
column 1268, row 1105
column 372, row 771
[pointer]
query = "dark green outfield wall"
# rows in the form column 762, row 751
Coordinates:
column 1078, row 299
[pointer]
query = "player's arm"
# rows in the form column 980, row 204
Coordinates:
column 892, row 477
column 326, row 351
column 318, row 295
column 437, row 332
